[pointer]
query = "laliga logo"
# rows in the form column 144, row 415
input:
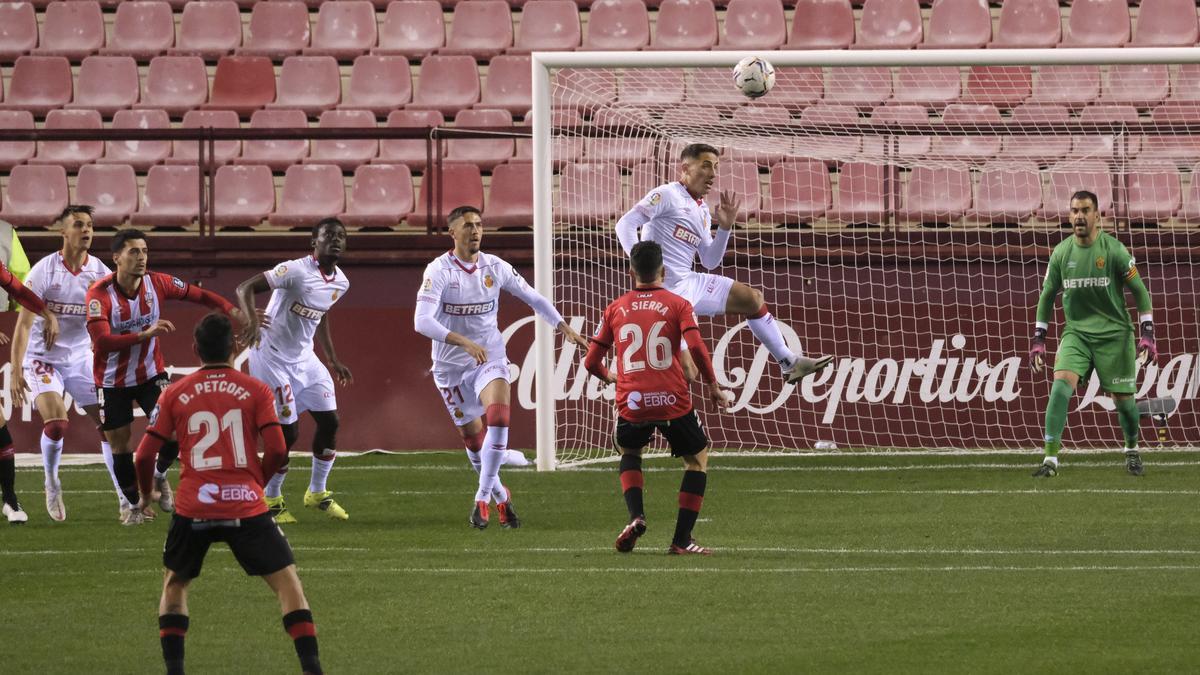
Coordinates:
column 208, row 493
column 634, row 401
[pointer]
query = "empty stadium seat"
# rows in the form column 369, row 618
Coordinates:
column 405, row 151
column 18, row 30
column 382, row 196
column 278, row 155
column 586, row 88
column 624, row 152
column 107, row 84
column 1190, row 212
column 510, row 196
column 379, row 84
column 176, row 84
column 35, row 195
column 185, row 152
column 932, row 87
column 508, row 84
column 1186, row 87
column 742, row 179
column 70, row 154
column 768, row 124
column 1007, row 194
column 710, row 87
column 1105, row 147
column 310, row 192
column 276, row 29
column 904, row 146
column 972, row 148
column 799, row 191
column 645, row 177
column 1153, row 191
column 958, row 24
column 344, row 29
column 860, row 197
column 1036, row 147
column 446, row 84
column 309, row 83
column 1064, row 181
column 889, row 24
column 617, row 25
column 935, row 195
column 413, row 29
column 485, row 152
column 796, row 87
column 548, row 25
column 39, row 84
column 209, row 28
column 1001, row 86
column 142, row 30
column 242, row 84
column 1028, row 23
column 637, row 89
column 480, row 28
column 244, row 195
column 822, row 24
column 13, row 153
column 461, row 185
column 346, row 153
column 864, row 87
column 754, row 24
column 1183, row 148
column 170, row 198
column 693, row 113
column 1072, row 86
column 1139, row 85
column 141, row 155
column 685, row 25
column 589, row 194
column 828, row 147
column 71, row 29
column 111, row 189
column 1166, row 23
column 1097, row 23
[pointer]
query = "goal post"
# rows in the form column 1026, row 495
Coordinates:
column 910, row 245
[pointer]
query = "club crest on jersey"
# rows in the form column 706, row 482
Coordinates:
column 488, row 281
column 1099, row 263
column 94, row 310
column 285, row 411
column 280, row 270
column 458, row 414
column 335, row 294
column 655, row 198
column 178, row 283
column 45, row 379
column 428, row 285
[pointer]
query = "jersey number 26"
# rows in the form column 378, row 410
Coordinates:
column 654, row 348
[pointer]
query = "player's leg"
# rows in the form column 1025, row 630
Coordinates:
column 147, row 395
column 93, row 413
column 313, row 389
column 1072, row 361
column 1116, row 364
column 687, row 441
column 472, row 434
column 749, row 302
column 173, row 620
column 276, row 378
column 630, row 439
column 491, row 383
column 8, row 478
column 297, row 617
column 53, row 411
column 116, row 413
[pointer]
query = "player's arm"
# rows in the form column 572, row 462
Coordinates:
column 629, row 225
column 274, row 448
column 100, row 328
column 598, row 348
column 160, row 431
column 20, row 342
column 1045, row 310
column 245, row 296
column 517, row 285
column 341, row 372
column 425, row 318
column 712, row 249
column 700, row 356
column 1147, row 346
column 178, row 289
column 31, row 301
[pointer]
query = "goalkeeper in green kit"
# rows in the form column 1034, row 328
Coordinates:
column 1093, row 269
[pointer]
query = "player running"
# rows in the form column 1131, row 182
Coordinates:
column 302, row 293
column 457, row 307
column 648, row 325
column 676, row 216
column 124, row 320
column 218, row 414
column 1092, row 269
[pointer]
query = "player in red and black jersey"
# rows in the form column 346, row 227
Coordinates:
column 647, row 326
column 218, row 415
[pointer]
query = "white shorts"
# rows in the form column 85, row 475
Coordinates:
column 300, row 386
column 73, row 377
column 708, row 293
column 460, row 389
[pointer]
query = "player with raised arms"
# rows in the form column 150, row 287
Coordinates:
column 676, row 216
column 457, row 308
column 1092, row 269
column 647, row 326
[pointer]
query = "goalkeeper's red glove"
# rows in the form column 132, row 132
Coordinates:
column 1147, row 348
column 1037, row 350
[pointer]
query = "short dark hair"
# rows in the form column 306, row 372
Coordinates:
column 461, row 212
column 694, row 151
column 122, row 236
column 326, row 222
column 214, row 338
column 72, row 209
column 646, row 260
column 1086, row 194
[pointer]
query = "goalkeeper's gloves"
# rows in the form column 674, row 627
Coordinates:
column 1147, row 348
column 1037, row 350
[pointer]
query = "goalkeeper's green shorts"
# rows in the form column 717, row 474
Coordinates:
column 1114, row 360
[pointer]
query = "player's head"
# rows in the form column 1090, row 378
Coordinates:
column 328, row 239
column 213, row 338
column 645, row 262
column 1085, row 214
column 76, row 223
column 130, row 252
column 698, row 167
column 466, row 228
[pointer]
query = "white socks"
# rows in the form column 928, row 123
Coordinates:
column 495, row 442
column 51, row 453
column 274, row 486
column 320, row 472
column 106, row 450
column 767, row 332
column 499, row 492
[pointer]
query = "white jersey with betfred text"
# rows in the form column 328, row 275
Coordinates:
column 679, row 224
column 300, row 296
column 65, row 293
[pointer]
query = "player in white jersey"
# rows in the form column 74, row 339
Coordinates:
column 457, row 308
column 676, row 216
column 62, row 280
column 281, row 354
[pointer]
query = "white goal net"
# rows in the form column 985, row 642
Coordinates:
column 898, row 210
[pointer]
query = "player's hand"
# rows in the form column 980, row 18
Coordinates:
column 690, row 371
column 1037, row 350
column 341, row 373
column 573, row 336
column 160, row 327
column 49, row 329
column 717, row 397
column 609, row 377
column 17, row 386
column 478, row 353
column 4, row 339
column 727, row 209
column 1147, row 346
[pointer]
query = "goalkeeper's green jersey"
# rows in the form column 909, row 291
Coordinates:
column 1093, row 280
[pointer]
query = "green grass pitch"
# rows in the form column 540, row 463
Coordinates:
column 843, row 564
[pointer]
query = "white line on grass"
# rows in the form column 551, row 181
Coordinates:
column 1049, row 491
column 744, row 570
column 90, row 551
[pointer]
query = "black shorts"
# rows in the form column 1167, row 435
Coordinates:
column 116, row 403
column 256, row 542
column 683, row 434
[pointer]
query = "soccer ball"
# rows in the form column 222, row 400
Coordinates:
column 754, row 76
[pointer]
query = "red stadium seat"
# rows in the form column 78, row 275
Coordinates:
column 344, row 29
column 587, row 88
column 412, row 28
column 1065, row 180
column 242, row 84
column 1007, row 194
column 141, row 155
column 932, row 87
column 1153, row 191
column 796, row 88
column 563, row 149
column 625, row 152
column 379, row 84
column 742, row 179
column 461, row 186
column 936, row 195
column 1104, row 147
column 277, row 29
column 637, row 88
column 1097, row 23
column 1184, row 148
column 107, row 84
column 1166, row 23
column 111, row 189
column 70, row 154
column 345, row 153
column 447, row 84
column 860, row 195
column 278, row 154
column 382, row 196
column 889, row 24
column 170, row 198
column 508, row 85
column 548, row 25
column 480, row 28
column 710, row 87
column 39, row 84
column 831, row 147
column 754, row 24
column 485, row 153
column 1001, row 86
column 310, row 192
column 643, row 178
column 1036, row 148
column 185, row 152
column 967, row 148
column 799, row 192
column 35, row 195
column 1186, row 87
column 176, row 84
column 71, row 29
column 685, row 25
column 403, row 151
column 905, row 146
column 245, row 196
column 1028, row 23
column 1072, row 86
column 693, row 112
column 18, row 30
column 862, row 87
column 768, row 124
column 822, row 24
column 1190, row 213
column 13, row 153
column 617, row 25
column 142, row 30
column 958, row 24
column 1139, row 85
column 589, row 194
column 510, row 195
column 209, row 28
column 309, row 83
